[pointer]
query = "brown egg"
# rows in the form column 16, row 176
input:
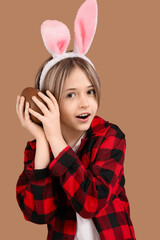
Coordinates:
column 28, row 93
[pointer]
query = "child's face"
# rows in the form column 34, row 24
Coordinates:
column 80, row 99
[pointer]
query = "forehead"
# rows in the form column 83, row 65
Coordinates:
column 77, row 79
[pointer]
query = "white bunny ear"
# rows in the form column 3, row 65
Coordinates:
column 85, row 26
column 56, row 36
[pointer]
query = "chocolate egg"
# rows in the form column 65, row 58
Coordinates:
column 28, row 93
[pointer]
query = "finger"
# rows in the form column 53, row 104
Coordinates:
column 17, row 104
column 36, row 114
column 21, row 108
column 52, row 98
column 41, row 105
column 47, row 100
column 26, row 113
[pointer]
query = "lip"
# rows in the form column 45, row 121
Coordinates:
column 84, row 120
column 83, row 113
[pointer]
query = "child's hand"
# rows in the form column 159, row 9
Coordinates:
column 36, row 130
column 51, row 116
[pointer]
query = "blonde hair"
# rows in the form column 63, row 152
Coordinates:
column 56, row 76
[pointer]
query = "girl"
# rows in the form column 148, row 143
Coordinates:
column 73, row 178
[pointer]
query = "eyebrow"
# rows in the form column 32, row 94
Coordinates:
column 69, row 89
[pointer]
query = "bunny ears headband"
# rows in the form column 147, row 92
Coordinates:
column 56, row 36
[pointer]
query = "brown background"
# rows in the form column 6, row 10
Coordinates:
column 126, row 53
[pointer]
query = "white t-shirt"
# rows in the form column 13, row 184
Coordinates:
column 86, row 229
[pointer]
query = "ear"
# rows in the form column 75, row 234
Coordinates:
column 56, row 36
column 85, row 26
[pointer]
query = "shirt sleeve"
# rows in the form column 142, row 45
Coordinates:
column 92, row 189
column 35, row 190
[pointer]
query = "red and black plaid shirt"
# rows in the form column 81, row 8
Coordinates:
column 89, row 182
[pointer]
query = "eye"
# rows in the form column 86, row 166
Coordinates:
column 70, row 95
column 92, row 92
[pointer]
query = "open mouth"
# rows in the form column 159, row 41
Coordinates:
column 83, row 116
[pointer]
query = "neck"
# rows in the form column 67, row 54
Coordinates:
column 71, row 139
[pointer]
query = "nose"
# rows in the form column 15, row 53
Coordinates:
column 83, row 102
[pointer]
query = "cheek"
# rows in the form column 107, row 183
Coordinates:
column 94, row 103
column 65, row 110
column 68, row 105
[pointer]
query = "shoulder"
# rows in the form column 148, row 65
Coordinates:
column 116, row 131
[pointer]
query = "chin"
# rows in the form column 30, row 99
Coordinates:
column 84, row 128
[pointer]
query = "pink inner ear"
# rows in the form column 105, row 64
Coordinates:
column 56, row 36
column 85, row 25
